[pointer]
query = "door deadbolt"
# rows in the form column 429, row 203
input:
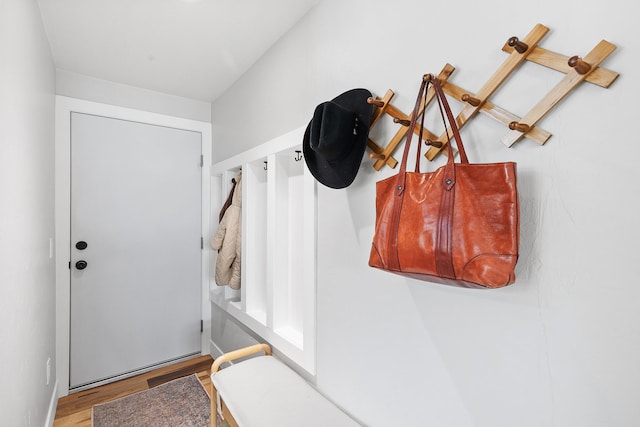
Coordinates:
column 81, row 265
column 81, row 245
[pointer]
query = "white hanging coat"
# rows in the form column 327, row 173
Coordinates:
column 227, row 241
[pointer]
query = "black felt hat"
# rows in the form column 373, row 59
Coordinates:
column 336, row 137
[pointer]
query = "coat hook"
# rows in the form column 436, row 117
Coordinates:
column 471, row 100
column 520, row 127
column 265, row 165
column 403, row 122
column 579, row 65
column 377, row 156
column 519, row 46
column 298, row 156
column 433, row 143
column 376, row 102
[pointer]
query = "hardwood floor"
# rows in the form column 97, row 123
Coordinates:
column 75, row 409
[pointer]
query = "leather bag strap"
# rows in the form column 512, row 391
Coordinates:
column 442, row 102
column 398, row 191
column 444, row 243
column 453, row 127
column 444, row 232
column 421, row 134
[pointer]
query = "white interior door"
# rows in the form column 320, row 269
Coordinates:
column 136, row 286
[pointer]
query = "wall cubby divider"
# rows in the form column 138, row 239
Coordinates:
column 254, row 240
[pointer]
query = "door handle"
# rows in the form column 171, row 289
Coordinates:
column 81, row 265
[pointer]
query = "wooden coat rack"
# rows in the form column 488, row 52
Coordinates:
column 575, row 68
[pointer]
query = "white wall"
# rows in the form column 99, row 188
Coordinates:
column 79, row 86
column 27, row 297
column 559, row 347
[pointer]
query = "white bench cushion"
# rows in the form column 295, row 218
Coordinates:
column 264, row 392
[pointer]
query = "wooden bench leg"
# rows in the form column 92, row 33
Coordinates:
column 220, row 415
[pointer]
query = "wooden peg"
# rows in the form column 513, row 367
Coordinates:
column 433, row 143
column 382, row 104
column 379, row 154
column 520, row 127
column 471, row 100
column 519, row 46
column 427, row 77
column 594, row 58
column 579, row 65
column 377, row 102
column 403, row 122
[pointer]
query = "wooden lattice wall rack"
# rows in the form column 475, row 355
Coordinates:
column 576, row 69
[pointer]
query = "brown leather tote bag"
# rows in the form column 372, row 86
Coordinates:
column 458, row 225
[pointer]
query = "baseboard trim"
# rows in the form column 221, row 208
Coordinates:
column 215, row 350
column 53, row 404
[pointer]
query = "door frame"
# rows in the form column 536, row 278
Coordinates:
column 64, row 107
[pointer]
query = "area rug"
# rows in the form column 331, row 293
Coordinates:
column 178, row 403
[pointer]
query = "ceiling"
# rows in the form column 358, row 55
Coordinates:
column 189, row 48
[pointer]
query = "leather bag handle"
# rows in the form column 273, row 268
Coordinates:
column 444, row 236
column 400, row 183
column 398, row 192
column 443, row 251
column 443, row 104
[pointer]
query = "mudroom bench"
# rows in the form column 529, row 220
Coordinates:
column 264, row 392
